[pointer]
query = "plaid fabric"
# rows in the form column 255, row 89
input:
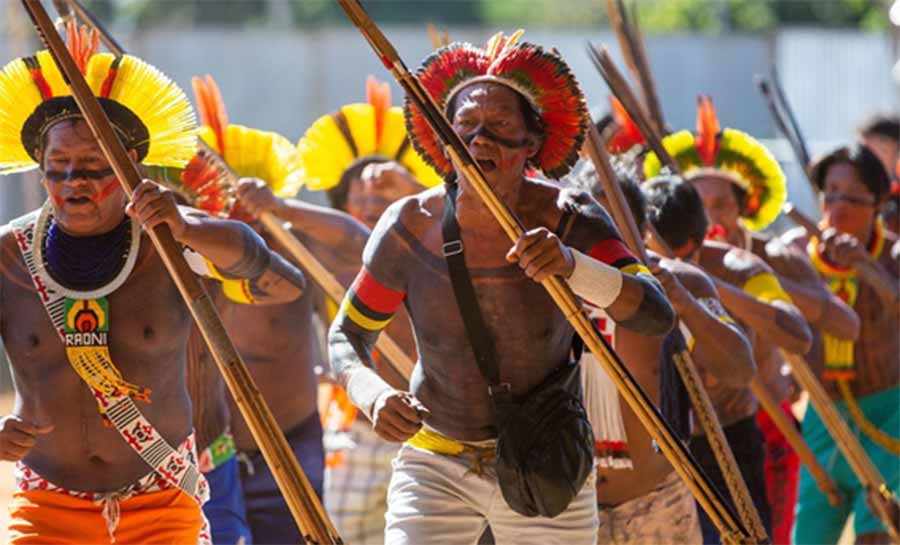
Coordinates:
column 356, row 482
column 668, row 514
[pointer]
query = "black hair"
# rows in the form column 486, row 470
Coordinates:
column 337, row 195
column 676, row 210
column 869, row 168
column 882, row 124
column 631, row 188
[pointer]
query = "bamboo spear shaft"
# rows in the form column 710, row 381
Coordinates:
column 621, row 90
column 560, row 292
column 880, row 498
column 281, row 231
column 631, row 42
column 684, row 361
column 274, row 446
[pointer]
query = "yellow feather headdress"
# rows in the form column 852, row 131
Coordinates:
column 150, row 113
column 335, row 142
column 732, row 155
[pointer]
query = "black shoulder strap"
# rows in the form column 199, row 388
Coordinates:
column 466, row 300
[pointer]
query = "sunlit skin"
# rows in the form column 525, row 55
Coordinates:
column 379, row 185
column 446, row 390
column 721, row 205
column 55, row 426
column 81, row 206
column 849, row 210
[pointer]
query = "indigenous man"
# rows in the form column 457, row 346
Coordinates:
column 861, row 377
column 276, row 341
column 514, row 104
column 743, row 188
column 361, row 157
column 677, row 213
column 73, row 275
column 645, row 501
column 881, row 134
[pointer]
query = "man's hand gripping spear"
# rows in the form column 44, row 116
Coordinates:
column 304, row 505
column 562, row 295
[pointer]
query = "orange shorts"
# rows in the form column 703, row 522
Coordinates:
column 49, row 518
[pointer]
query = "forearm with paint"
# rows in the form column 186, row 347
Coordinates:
column 365, row 311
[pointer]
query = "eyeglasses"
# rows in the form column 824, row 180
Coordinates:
column 78, row 174
column 832, row 198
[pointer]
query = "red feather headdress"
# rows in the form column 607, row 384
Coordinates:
column 626, row 135
column 540, row 76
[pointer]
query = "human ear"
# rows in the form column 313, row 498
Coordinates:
column 534, row 143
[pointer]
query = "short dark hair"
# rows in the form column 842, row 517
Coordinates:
column 676, row 210
column 867, row 165
column 337, row 195
column 635, row 198
column 884, row 125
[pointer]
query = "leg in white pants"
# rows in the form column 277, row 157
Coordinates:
column 438, row 499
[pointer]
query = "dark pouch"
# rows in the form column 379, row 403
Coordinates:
column 545, row 445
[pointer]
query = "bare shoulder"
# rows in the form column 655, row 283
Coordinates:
column 398, row 235
column 788, row 260
column 581, row 221
column 736, row 264
column 691, row 277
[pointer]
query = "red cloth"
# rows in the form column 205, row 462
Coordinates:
column 782, row 468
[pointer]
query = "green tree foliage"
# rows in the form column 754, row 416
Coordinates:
column 706, row 16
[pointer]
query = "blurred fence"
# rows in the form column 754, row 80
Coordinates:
column 282, row 80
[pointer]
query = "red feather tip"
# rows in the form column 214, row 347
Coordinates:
column 202, row 180
column 379, row 96
column 211, row 107
column 627, row 135
column 82, row 43
column 707, row 130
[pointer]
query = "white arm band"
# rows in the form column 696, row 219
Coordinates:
column 595, row 281
column 364, row 387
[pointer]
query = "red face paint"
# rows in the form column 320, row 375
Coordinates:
column 106, row 191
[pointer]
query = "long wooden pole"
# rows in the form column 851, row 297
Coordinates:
column 621, row 90
column 880, row 498
column 281, row 231
column 684, row 361
column 275, row 449
column 681, row 459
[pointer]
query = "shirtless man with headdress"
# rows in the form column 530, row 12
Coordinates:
column 750, row 292
column 743, row 188
column 101, row 430
column 445, row 487
column 862, row 377
column 276, row 340
column 639, row 497
column 361, row 157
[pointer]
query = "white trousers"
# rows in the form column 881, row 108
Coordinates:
column 438, row 499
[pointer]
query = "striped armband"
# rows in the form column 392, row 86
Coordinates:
column 614, row 253
column 369, row 304
column 765, row 287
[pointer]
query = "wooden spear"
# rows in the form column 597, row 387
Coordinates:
column 293, row 483
column 281, row 230
column 620, row 89
column 684, row 361
column 560, row 292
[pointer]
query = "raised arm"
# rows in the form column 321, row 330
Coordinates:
column 231, row 247
column 719, row 345
column 599, row 268
column 764, row 306
column 822, row 309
